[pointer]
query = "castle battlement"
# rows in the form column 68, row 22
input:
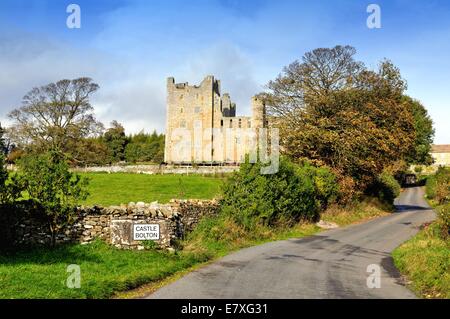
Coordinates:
column 190, row 107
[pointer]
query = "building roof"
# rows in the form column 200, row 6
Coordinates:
column 444, row 148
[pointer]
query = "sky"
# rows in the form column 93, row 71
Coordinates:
column 130, row 47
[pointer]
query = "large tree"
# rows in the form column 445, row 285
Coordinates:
column 423, row 124
column 55, row 116
column 145, row 148
column 116, row 141
column 333, row 110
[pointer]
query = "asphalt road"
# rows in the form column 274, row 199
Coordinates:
column 332, row 264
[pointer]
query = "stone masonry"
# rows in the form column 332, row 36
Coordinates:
column 216, row 134
column 115, row 224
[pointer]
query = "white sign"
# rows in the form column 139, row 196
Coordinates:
column 145, row 232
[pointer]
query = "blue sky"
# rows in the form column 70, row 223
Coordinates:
column 129, row 47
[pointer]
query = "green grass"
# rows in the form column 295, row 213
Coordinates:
column 122, row 188
column 105, row 271
column 356, row 212
column 425, row 261
column 42, row 273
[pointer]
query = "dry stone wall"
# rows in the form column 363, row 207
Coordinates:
column 115, row 224
column 157, row 169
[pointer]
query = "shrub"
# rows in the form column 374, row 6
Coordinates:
column 3, row 177
column 10, row 187
column 387, row 187
column 325, row 183
column 430, row 187
column 287, row 196
column 443, row 185
column 438, row 186
column 54, row 190
column 444, row 221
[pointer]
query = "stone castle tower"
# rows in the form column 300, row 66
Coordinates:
column 216, row 134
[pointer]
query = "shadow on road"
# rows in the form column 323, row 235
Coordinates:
column 409, row 208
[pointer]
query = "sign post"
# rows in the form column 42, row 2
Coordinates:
column 146, row 232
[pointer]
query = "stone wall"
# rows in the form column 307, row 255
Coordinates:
column 204, row 118
column 115, row 224
column 157, row 169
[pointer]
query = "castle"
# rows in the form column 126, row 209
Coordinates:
column 202, row 126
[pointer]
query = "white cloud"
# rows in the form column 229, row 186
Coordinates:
column 231, row 66
column 125, row 95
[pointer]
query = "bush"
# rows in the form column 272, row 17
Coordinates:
column 430, row 187
column 444, row 221
column 287, row 196
column 54, row 190
column 10, row 188
column 443, row 185
column 387, row 188
column 325, row 183
column 438, row 186
column 3, row 177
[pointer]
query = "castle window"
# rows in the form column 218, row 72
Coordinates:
column 183, row 124
column 181, row 110
column 197, row 109
column 221, row 123
column 181, row 96
column 231, row 123
column 249, row 124
column 240, row 123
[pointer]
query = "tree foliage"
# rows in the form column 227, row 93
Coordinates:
column 145, row 148
column 423, row 125
column 55, row 116
column 115, row 141
column 295, row 192
column 334, row 111
column 91, row 151
column 2, row 141
column 54, row 190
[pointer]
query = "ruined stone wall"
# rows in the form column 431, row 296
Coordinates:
column 190, row 108
column 115, row 224
column 201, row 111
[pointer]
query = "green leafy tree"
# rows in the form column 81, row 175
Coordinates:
column 333, row 111
column 423, row 124
column 10, row 186
column 116, row 141
column 145, row 148
column 54, row 190
column 90, row 151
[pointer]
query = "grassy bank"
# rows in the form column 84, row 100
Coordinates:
column 106, row 271
column 122, row 188
column 42, row 273
column 425, row 261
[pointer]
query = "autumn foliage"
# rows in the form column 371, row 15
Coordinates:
column 334, row 111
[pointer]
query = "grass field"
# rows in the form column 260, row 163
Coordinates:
column 42, row 273
column 122, row 188
column 425, row 261
column 107, row 272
